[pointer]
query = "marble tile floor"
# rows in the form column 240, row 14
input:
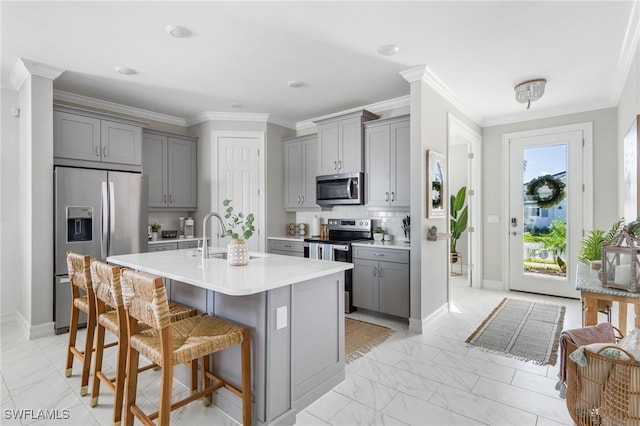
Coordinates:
column 411, row 379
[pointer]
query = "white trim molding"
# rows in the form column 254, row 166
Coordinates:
column 420, row 326
column 25, row 67
column 228, row 116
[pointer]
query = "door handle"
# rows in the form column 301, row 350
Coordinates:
column 375, row 271
column 104, row 221
column 97, row 151
column 171, row 198
column 335, row 165
column 339, row 164
column 105, row 152
column 302, row 198
column 381, row 273
column 386, row 196
column 393, row 196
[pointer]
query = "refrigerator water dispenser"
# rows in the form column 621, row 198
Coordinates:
column 79, row 224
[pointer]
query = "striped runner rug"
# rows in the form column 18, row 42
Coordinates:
column 529, row 331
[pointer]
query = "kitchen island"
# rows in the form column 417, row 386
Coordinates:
column 295, row 309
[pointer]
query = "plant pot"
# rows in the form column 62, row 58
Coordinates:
column 378, row 237
column 154, row 236
column 237, row 252
column 596, row 265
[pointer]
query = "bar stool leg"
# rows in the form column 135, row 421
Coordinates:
column 206, row 380
column 121, row 372
column 245, row 350
column 95, row 388
column 73, row 333
column 133, row 356
column 88, row 350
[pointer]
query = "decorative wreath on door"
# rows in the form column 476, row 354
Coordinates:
column 555, row 185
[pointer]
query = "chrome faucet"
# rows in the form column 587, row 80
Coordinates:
column 221, row 228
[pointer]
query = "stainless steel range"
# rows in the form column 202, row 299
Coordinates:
column 342, row 232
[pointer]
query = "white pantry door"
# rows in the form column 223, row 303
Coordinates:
column 240, row 179
column 545, row 230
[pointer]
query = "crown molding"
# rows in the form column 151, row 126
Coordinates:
column 25, row 67
column 627, row 52
column 228, row 116
column 117, row 108
column 377, row 107
column 423, row 73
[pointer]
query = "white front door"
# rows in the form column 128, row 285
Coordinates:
column 240, row 178
column 545, row 210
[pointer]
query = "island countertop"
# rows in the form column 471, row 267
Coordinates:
column 264, row 271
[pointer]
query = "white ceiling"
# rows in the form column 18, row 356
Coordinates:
column 245, row 52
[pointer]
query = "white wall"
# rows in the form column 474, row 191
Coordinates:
column 10, row 220
column 605, row 170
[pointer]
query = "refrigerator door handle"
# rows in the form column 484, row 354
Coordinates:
column 112, row 216
column 104, row 222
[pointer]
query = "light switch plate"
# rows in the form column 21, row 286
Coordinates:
column 281, row 317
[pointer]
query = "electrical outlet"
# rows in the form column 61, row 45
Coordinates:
column 281, row 317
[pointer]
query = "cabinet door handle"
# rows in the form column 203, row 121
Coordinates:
column 386, row 196
column 165, row 198
column 287, row 245
column 381, row 274
column 375, row 271
column 302, row 196
column 393, row 196
column 298, row 199
column 335, row 165
column 97, row 151
column 105, row 152
column 378, row 254
column 171, row 198
column 339, row 164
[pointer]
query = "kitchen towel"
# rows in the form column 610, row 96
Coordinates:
column 327, row 252
column 314, row 251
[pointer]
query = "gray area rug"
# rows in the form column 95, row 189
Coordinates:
column 529, row 331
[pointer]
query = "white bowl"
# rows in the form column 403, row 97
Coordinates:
column 388, row 237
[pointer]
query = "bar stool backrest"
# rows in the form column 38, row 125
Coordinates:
column 106, row 283
column 145, row 299
column 79, row 273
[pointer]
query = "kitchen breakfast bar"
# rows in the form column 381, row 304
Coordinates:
column 295, row 309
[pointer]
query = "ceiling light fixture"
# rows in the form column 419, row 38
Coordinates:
column 530, row 90
column 388, row 49
column 126, row 70
column 177, row 31
column 295, row 83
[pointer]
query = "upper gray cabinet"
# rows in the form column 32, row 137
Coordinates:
column 300, row 165
column 170, row 162
column 340, row 143
column 387, row 145
column 91, row 138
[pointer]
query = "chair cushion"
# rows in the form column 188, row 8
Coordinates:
column 192, row 338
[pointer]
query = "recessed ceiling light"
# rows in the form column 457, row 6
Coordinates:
column 177, row 31
column 126, row 70
column 295, row 83
column 388, row 49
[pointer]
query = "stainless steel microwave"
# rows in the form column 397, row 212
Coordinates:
column 340, row 189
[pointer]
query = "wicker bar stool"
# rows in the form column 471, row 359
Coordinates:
column 82, row 300
column 111, row 316
column 168, row 344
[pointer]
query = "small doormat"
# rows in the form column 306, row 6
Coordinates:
column 521, row 329
column 360, row 337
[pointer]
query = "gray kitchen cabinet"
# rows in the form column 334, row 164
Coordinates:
column 86, row 136
column 381, row 280
column 170, row 162
column 287, row 248
column 300, row 165
column 163, row 246
column 340, row 143
column 387, row 154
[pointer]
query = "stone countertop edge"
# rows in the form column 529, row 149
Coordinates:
column 174, row 240
column 264, row 272
column 393, row 244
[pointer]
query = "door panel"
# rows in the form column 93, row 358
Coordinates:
column 544, row 233
column 128, row 198
column 365, row 284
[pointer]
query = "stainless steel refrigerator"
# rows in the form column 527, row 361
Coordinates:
column 99, row 213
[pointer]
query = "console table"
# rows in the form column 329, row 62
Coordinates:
column 591, row 291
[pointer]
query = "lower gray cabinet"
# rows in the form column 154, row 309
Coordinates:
column 381, row 280
column 287, row 248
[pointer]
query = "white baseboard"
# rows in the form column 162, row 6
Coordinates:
column 417, row 326
column 493, row 285
column 29, row 331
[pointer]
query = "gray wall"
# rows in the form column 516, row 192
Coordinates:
column 605, row 172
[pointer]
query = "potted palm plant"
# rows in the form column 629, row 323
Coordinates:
column 590, row 250
column 240, row 228
column 459, row 220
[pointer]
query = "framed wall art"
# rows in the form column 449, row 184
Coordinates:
column 436, row 180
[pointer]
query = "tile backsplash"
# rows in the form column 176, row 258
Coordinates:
column 168, row 220
column 390, row 221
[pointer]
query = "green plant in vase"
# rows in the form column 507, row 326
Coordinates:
column 239, row 226
column 590, row 250
column 459, row 219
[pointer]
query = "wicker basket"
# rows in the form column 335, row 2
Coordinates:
column 604, row 392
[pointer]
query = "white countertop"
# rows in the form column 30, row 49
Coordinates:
column 174, row 240
column 264, row 272
column 393, row 244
